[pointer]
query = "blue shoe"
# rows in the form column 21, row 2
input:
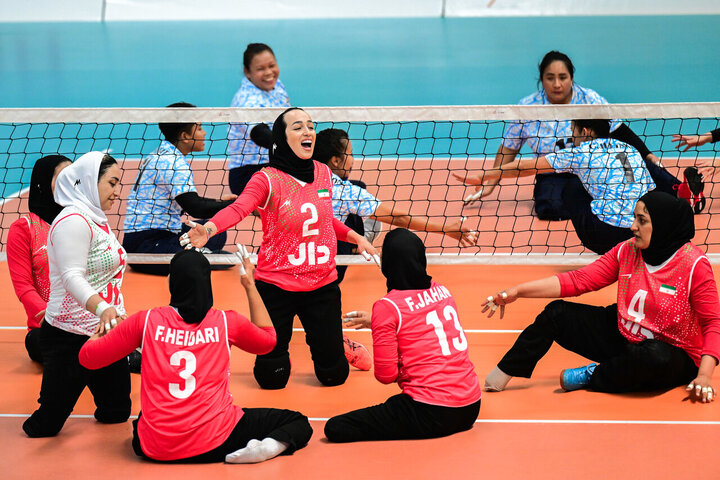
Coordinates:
column 576, row 378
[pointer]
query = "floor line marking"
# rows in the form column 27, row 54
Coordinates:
column 493, row 420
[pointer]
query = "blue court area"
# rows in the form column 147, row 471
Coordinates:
column 349, row 62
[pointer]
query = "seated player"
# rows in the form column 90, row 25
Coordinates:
column 187, row 410
column 558, row 87
column 261, row 88
column 613, row 177
column 295, row 273
column 86, row 264
column 419, row 343
column 163, row 190
column 27, row 248
column 664, row 330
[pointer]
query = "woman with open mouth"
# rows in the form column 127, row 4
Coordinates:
column 295, row 272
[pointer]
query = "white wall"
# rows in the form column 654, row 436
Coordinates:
column 267, row 9
column 122, row 10
column 51, row 10
column 531, row 8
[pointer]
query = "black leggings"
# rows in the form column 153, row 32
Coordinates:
column 594, row 234
column 285, row 426
column 32, row 345
column 593, row 333
column 319, row 312
column 401, row 418
column 64, row 379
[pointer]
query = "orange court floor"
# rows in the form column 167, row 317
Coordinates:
column 532, row 430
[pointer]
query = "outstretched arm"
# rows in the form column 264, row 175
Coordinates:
column 514, row 169
column 388, row 213
column 259, row 315
column 504, row 155
column 548, row 287
column 688, row 141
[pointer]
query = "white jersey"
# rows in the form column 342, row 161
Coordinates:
column 84, row 259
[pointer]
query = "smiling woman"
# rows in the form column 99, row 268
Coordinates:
column 261, row 87
column 296, row 262
column 87, row 265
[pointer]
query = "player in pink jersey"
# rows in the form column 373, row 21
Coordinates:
column 187, row 410
column 86, row 264
column 296, row 262
column 419, row 343
column 27, row 248
column 664, row 330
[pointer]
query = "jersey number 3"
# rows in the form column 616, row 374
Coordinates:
column 459, row 342
column 186, row 374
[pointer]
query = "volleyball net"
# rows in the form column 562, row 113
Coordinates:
column 405, row 155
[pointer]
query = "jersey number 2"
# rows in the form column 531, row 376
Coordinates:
column 308, row 252
column 186, row 374
column 459, row 342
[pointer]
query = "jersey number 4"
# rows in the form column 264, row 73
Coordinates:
column 636, row 310
column 459, row 342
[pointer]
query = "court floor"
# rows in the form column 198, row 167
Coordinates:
column 532, row 430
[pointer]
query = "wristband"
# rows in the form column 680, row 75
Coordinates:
column 101, row 307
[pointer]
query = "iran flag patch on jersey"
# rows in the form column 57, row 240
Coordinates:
column 669, row 289
column 323, row 193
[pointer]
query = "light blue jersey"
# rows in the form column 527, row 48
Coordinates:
column 612, row 172
column 241, row 150
column 542, row 136
column 163, row 175
column 348, row 198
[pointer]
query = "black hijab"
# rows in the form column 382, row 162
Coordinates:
column 40, row 200
column 403, row 261
column 283, row 158
column 190, row 287
column 673, row 225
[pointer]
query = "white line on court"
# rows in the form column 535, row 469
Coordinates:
column 494, row 420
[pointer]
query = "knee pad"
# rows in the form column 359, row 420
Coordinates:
column 272, row 373
column 35, row 428
column 333, row 430
column 334, row 375
column 112, row 415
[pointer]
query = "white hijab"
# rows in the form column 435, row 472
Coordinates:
column 77, row 186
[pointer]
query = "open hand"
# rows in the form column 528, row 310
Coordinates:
column 357, row 319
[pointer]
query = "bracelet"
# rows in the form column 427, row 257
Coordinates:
column 101, row 307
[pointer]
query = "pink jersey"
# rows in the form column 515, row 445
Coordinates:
column 299, row 231
column 187, row 407
column 676, row 302
column 299, row 242
column 418, row 341
column 28, row 264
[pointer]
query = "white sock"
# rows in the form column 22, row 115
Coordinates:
column 257, row 451
column 496, row 380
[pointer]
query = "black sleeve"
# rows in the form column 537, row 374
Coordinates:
column 200, row 207
column 624, row 134
column 715, row 135
column 261, row 135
